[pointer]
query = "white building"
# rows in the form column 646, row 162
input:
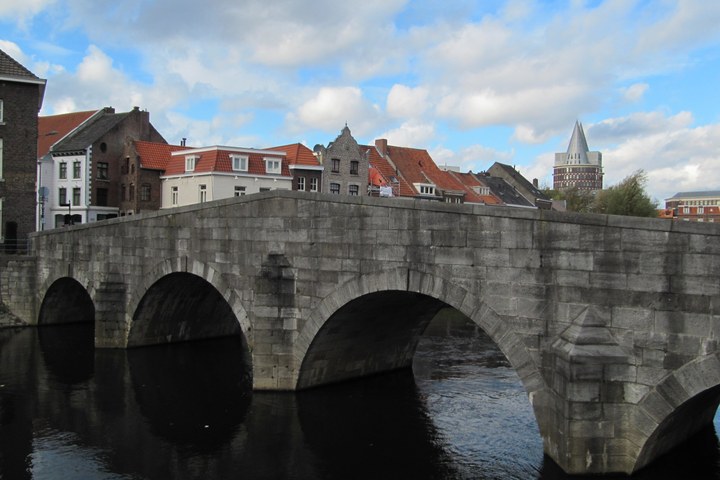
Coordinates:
column 199, row 175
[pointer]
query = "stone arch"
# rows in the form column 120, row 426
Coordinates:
column 200, row 270
column 677, row 408
column 431, row 286
column 65, row 299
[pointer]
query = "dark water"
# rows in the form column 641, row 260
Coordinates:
column 187, row 411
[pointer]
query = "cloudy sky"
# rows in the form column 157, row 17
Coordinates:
column 471, row 81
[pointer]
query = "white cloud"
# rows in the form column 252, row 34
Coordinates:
column 634, row 92
column 21, row 11
column 474, row 158
column 331, row 108
column 404, row 101
column 417, row 135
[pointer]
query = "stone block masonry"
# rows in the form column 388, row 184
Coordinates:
column 610, row 322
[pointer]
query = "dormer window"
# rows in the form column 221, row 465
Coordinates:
column 482, row 190
column 425, row 188
column 190, row 162
column 272, row 165
column 239, row 163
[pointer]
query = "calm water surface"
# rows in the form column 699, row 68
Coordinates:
column 186, row 411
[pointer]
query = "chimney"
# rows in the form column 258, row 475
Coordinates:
column 182, row 142
column 535, row 182
column 381, row 146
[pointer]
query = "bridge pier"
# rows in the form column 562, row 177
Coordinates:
column 110, row 313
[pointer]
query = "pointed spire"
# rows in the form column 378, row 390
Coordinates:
column 578, row 147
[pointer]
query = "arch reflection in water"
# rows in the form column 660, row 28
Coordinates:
column 194, row 394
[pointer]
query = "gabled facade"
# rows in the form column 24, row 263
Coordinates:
column 198, row 175
column 694, row 206
column 51, row 130
column 21, row 96
column 304, row 166
column 578, row 167
column 345, row 166
column 88, row 163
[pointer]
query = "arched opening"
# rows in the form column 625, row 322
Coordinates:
column 66, row 301
column 686, row 433
column 374, row 333
column 182, row 307
column 448, row 404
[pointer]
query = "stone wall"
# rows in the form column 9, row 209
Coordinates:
column 610, row 322
column 17, row 291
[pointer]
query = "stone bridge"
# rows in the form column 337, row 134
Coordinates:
column 610, row 322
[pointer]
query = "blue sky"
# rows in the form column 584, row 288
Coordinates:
column 471, row 81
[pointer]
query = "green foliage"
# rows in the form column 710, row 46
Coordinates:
column 627, row 198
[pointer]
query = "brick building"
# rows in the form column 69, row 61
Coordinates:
column 21, row 96
column 578, row 167
column 693, row 206
column 345, row 166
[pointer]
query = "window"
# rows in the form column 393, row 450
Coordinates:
column 701, row 210
column 101, row 197
column 203, row 193
column 353, row 189
column 190, row 163
column 102, row 171
column 132, row 192
column 76, row 196
column 272, row 165
column 334, row 188
column 335, row 165
column 301, row 184
column 63, row 171
column 76, row 169
column 264, row 189
column 145, row 192
column 354, row 164
column 174, row 195
column 239, row 163
column 425, row 189
column 2, row 119
column 313, row 184
column 239, row 191
column 686, row 210
column 62, row 196
column 123, row 192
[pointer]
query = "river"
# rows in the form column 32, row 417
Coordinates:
column 186, row 411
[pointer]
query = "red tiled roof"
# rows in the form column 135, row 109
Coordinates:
column 154, row 155
column 469, row 180
column 417, row 166
column 54, row 127
column 298, row 154
column 388, row 171
column 217, row 159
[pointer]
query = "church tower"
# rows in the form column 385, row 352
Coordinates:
column 578, row 167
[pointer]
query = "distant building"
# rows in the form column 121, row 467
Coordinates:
column 21, row 96
column 198, row 175
column 527, row 189
column 90, row 163
column 304, row 166
column 693, row 206
column 578, row 167
column 345, row 165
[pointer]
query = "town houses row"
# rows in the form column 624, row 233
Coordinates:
column 101, row 164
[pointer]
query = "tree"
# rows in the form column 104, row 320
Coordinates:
column 626, row 198
column 576, row 200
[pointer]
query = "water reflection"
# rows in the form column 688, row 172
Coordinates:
column 186, row 411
